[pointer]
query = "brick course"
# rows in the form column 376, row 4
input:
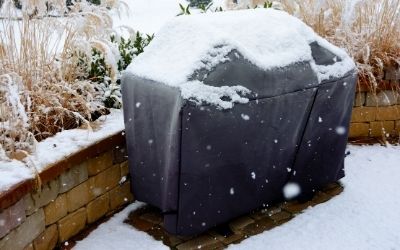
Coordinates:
column 358, row 129
column 48, row 239
column 73, row 177
column 12, row 217
column 56, row 209
column 105, row 181
column 382, row 129
column 376, row 115
column 23, row 235
column 100, row 163
column 78, row 197
column 72, row 224
column 98, row 208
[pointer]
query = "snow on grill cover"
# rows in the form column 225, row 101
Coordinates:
column 224, row 111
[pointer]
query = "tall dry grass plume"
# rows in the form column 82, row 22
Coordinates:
column 43, row 89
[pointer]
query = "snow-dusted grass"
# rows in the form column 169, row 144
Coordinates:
column 369, row 30
column 365, row 216
column 44, row 66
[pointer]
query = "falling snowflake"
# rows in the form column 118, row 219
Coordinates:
column 123, row 179
column 291, row 190
column 253, row 175
column 245, row 117
column 138, row 104
column 232, row 191
column 340, row 130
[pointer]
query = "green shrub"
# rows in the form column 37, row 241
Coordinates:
column 100, row 73
column 130, row 48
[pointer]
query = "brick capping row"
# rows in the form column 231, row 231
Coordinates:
column 16, row 192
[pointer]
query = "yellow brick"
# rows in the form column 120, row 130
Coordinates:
column 358, row 130
column 48, row 239
column 98, row 164
column 98, row 208
column 381, row 129
column 391, row 113
column 105, row 181
column 398, row 126
column 120, row 195
column 363, row 114
column 124, row 168
column 56, row 209
column 78, row 197
column 72, row 224
column 29, row 247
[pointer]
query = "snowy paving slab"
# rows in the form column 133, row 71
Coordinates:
column 115, row 234
column 364, row 216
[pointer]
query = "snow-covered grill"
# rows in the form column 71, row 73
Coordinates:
column 223, row 110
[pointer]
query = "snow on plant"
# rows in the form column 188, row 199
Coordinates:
column 369, row 30
column 48, row 54
column 14, row 122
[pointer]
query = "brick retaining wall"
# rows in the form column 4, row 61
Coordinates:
column 378, row 115
column 75, row 194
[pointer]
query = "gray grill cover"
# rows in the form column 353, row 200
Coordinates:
column 203, row 166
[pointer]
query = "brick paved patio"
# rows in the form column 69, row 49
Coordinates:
column 149, row 220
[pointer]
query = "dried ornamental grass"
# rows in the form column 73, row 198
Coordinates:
column 41, row 64
column 368, row 30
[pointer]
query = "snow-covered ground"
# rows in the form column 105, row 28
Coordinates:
column 117, row 235
column 365, row 216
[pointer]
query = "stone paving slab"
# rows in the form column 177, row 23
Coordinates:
column 149, row 220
